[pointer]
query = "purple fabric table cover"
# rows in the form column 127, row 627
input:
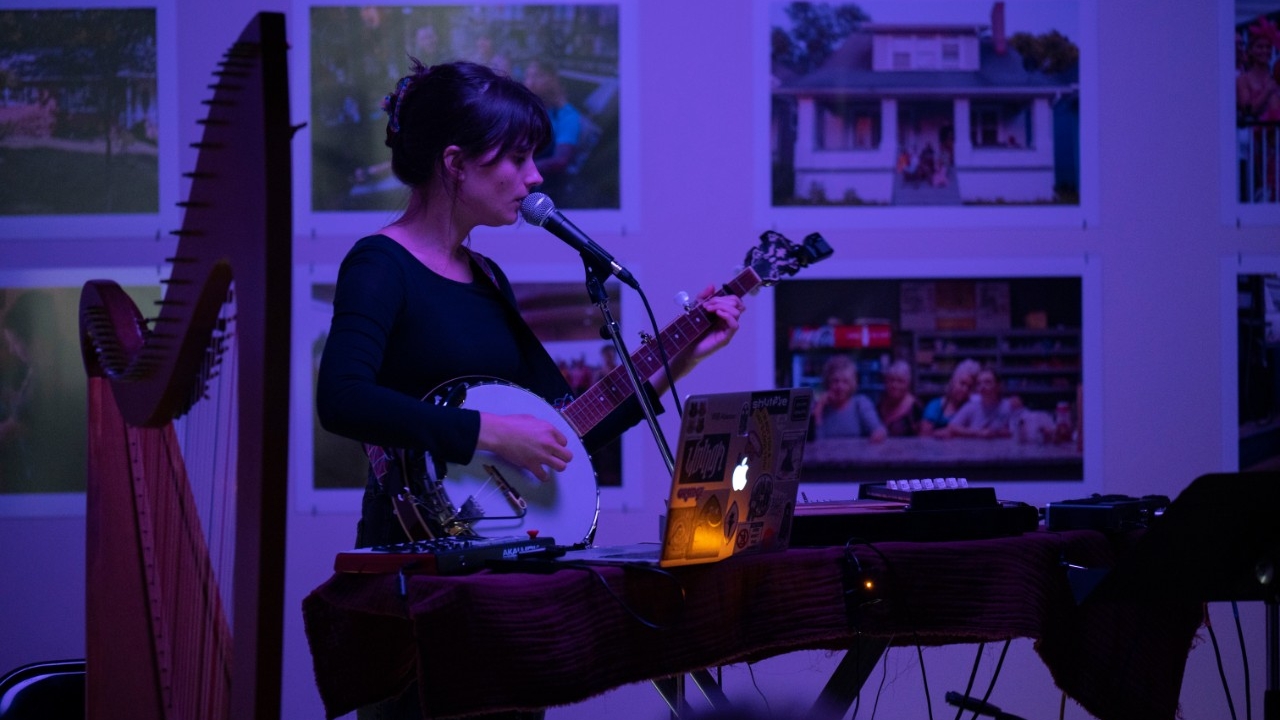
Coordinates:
column 494, row 641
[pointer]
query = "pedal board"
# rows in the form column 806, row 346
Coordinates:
column 1105, row 513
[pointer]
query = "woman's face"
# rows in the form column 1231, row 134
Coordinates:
column 988, row 388
column 1260, row 51
column 537, row 79
column 841, row 386
column 961, row 388
column 490, row 188
column 896, row 386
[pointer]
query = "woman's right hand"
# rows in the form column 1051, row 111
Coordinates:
column 821, row 399
column 526, row 441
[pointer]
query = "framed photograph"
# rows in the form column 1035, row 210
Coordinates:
column 43, row 405
column 925, row 112
column 983, row 370
column 578, row 57
column 1250, row 111
column 1251, row 363
column 88, row 120
column 553, row 300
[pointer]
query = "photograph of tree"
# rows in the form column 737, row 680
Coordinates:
column 337, row 462
column 78, row 112
column 43, row 404
column 1257, row 101
column 891, row 103
column 568, row 54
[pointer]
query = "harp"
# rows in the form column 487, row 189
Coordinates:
column 188, row 428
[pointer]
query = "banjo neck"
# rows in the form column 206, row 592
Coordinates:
column 602, row 398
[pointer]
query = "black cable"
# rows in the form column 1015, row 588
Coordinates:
column 995, row 674
column 751, row 670
column 973, row 674
column 542, row 567
column 857, row 699
column 1244, row 659
column 884, row 675
column 662, row 350
column 979, row 707
column 857, row 671
column 924, row 680
column 621, row 603
column 1217, row 656
column 853, row 564
column 899, row 601
column 662, row 355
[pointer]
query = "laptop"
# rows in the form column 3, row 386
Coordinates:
column 737, row 475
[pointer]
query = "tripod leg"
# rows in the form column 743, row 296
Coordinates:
column 1271, row 696
column 846, row 682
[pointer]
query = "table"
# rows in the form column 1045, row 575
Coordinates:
column 563, row 637
column 898, row 458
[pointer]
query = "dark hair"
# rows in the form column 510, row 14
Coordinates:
column 464, row 104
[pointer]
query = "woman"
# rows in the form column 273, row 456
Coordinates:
column 990, row 414
column 415, row 307
column 939, row 411
column 899, row 408
column 839, row 411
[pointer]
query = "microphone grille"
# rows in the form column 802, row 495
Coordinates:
column 536, row 207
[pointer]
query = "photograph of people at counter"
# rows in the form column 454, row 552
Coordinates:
column 978, row 378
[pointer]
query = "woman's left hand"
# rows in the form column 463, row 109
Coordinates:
column 726, row 309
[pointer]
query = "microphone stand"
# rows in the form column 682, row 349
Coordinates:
column 596, row 290
column 600, row 297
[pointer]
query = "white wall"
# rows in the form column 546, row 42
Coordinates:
column 1160, row 240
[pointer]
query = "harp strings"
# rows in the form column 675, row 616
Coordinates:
column 206, row 440
column 207, row 437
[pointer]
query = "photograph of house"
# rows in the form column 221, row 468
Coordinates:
column 1257, row 101
column 78, row 98
column 926, row 109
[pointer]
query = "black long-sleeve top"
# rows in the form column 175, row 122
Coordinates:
column 400, row 331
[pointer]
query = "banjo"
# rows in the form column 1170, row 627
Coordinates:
column 490, row 497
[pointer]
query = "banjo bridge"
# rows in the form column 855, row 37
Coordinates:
column 512, row 495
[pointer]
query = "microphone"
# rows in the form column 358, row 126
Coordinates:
column 537, row 209
column 964, row 702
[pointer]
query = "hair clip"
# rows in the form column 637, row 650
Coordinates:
column 391, row 103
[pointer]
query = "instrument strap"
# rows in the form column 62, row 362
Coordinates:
column 517, row 320
column 482, row 262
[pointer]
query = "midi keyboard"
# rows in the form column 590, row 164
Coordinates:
column 912, row 511
column 439, row 556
